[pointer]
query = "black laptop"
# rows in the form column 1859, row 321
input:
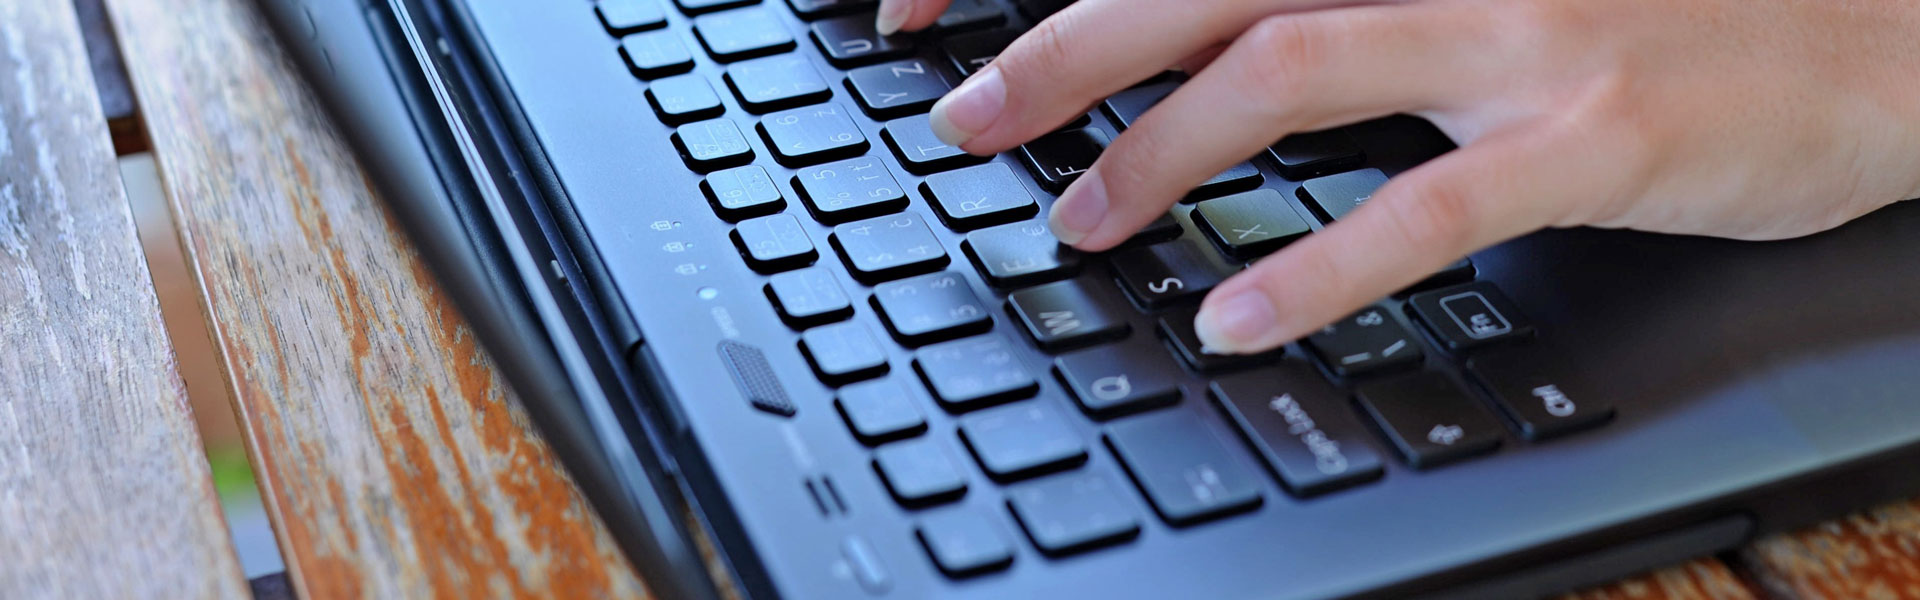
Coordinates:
column 753, row 302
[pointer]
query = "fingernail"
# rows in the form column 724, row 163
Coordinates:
column 893, row 14
column 1234, row 324
column 971, row 108
column 1079, row 211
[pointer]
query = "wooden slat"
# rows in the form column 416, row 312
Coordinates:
column 392, row 461
column 1872, row 555
column 104, row 488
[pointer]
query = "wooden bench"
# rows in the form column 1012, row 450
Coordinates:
column 391, row 458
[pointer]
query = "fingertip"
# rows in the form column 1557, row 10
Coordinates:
column 892, row 15
column 1239, row 322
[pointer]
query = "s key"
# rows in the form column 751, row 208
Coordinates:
column 1160, row 275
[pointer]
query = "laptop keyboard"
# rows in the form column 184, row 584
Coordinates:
column 1311, row 415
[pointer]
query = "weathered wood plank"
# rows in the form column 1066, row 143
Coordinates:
column 1872, row 555
column 391, row 458
column 104, row 488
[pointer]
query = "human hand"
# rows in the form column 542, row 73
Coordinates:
column 1747, row 119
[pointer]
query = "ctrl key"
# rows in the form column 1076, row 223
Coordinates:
column 1070, row 513
column 1534, row 389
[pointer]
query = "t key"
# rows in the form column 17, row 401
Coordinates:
column 930, row 308
column 889, row 247
column 897, row 89
column 920, row 151
column 1059, row 158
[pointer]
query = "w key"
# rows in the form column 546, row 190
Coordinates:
column 1064, row 315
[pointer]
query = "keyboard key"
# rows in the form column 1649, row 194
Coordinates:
column 1186, row 472
column 776, row 82
column 880, row 411
column 1059, row 158
column 964, row 15
column 930, row 308
column 963, row 542
column 1365, row 342
column 1038, row 10
column 974, row 372
column 849, row 189
column 919, row 472
column 1300, row 426
column 849, row 42
column 920, row 151
column 1337, row 195
column 694, row 7
column 812, row 135
column 656, row 54
column 1252, row 224
column 774, row 243
column 683, row 98
column 808, row 297
column 1017, row 441
column 1065, row 315
column 897, row 89
column 1429, row 419
column 1161, row 275
column 1312, row 154
column 1120, row 379
column 622, row 17
column 1020, row 254
column 742, row 34
column 1177, row 328
column 971, row 51
column 980, row 196
column 1128, row 105
column 1238, row 178
column 1461, row 271
column 814, row 9
column 889, row 247
column 1162, row 229
column 743, row 192
column 711, row 145
column 1073, row 512
column 843, row 352
column 1538, row 392
column 1469, row 315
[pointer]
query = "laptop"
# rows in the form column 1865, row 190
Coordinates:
column 792, row 346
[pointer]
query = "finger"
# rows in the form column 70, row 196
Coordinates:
column 1200, row 60
column 1498, row 188
column 1080, row 55
column 909, row 15
column 1290, row 73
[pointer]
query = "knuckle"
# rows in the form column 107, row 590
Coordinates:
column 1432, row 216
column 1290, row 52
column 1047, row 48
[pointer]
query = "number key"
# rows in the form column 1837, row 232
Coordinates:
column 812, row 135
column 974, row 372
column 1021, row 440
column 743, row 192
column 889, row 247
column 742, row 34
column 627, row 16
column 843, row 352
column 710, row 145
column 774, row 243
column 776, row 82
column 808, row 296
column 849, row 189
column 656, row 54
column 683, row 98
column 930, row 308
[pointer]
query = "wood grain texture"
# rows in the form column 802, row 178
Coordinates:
column 1872, row 555
column 391, row 458
column 1698, row 579
column 104, row 488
